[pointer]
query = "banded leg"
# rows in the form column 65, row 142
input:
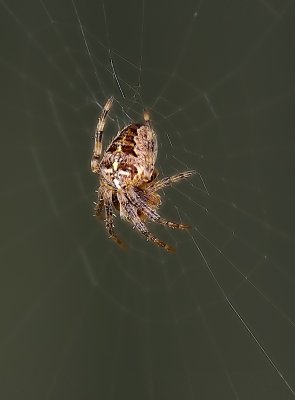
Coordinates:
column 152, row 145
column 170, row 180
column 109, row 222
column 98, row 136
column 151, row 213
column 131, row 215
column 98, row 208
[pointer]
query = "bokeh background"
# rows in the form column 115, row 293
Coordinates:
column 82, row 319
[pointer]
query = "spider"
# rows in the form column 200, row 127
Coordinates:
column 128, row 178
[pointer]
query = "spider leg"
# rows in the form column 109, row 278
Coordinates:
column 131, row 214
column 170, row 180
column 109, row 220
column 98, row 136
column 98, row 208
column 151, row 213
column 147, row 119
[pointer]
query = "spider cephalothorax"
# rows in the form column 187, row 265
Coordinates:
column 128, row 178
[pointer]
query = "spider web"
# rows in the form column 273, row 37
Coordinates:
column 80, row 318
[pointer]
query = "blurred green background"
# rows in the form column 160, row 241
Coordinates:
column 81, row 319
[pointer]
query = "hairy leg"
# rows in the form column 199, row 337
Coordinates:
column 170, row 180
column 99, row 205
column 109, row 218
column 140, row 204
column 129, row 212
column 97, row 149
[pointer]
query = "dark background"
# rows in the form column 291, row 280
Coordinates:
column 80, row 319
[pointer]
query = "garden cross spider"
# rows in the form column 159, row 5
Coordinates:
column 128, row 178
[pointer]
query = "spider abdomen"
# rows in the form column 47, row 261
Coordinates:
column 130, row 158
